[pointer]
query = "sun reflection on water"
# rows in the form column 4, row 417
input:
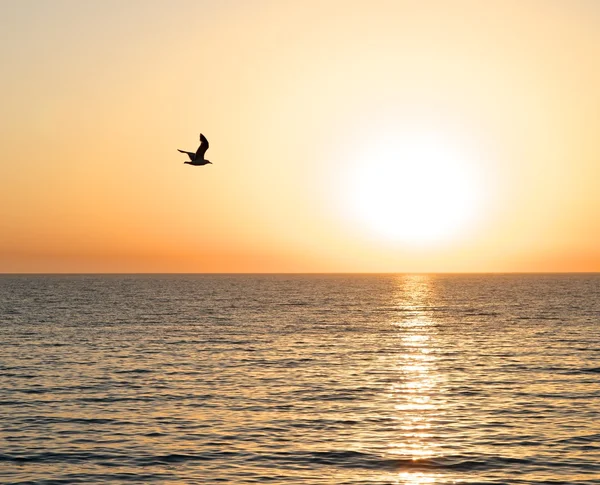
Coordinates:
column 415, row 396
column 414, row 478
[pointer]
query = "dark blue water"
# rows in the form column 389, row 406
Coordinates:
column 324, row 379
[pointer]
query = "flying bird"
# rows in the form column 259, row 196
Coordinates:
column 198, row 157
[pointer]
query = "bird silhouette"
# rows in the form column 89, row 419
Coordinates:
column 198, row 157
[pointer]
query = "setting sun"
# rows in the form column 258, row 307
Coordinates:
column 414, row 188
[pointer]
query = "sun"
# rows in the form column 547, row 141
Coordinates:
column 416, row 189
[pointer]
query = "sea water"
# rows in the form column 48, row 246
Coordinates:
column 300, row 379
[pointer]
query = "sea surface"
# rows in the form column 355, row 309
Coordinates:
column 300, row 379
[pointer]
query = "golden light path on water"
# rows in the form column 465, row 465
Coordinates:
column 416, row 396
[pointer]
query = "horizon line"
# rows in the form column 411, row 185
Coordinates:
column 16, row 273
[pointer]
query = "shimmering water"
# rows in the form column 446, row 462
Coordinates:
column 316, row 379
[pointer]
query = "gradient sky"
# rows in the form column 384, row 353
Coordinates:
column 378, row 136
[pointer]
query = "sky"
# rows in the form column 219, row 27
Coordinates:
column 345, row 136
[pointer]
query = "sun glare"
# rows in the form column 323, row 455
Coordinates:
column 418, row 189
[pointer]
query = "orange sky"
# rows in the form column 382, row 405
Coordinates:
column 379, row 136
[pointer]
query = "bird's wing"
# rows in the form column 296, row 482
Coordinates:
column 190, row 154
column 202, row 148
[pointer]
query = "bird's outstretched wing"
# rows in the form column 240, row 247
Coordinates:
column 202, row 148
column 190, row 154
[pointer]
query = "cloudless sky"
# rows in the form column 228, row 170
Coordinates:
column 318, row 114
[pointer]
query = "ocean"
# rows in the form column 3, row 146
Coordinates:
column 300, row 379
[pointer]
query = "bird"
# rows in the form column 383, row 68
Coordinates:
column 198, row 157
